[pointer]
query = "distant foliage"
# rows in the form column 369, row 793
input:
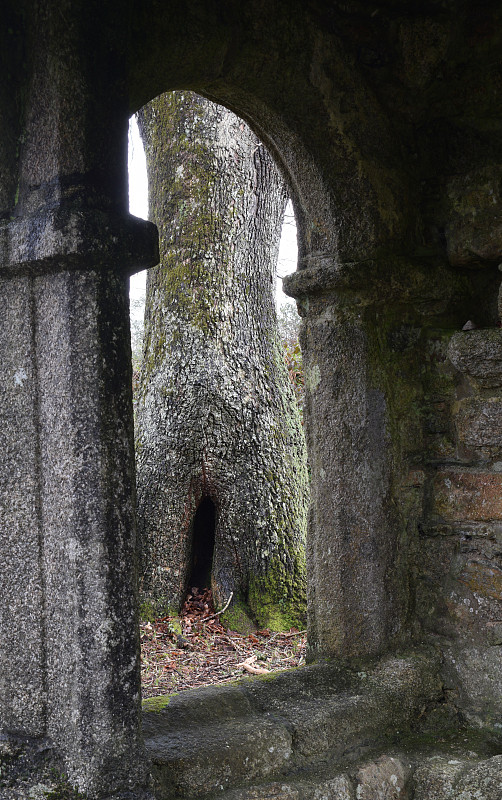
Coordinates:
column 289, row 323
column 137, row 335
column 294, row 363
column 289, row 326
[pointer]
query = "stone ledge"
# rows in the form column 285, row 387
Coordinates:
column 65, row 239
column 423, row 280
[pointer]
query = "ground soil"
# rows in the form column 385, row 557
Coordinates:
column 195, row 649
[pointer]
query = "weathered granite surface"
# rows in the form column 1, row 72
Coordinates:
column 386, row 124
column 212, row 739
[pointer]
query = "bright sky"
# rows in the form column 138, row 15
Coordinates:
column 138, row 205
column 138, row 202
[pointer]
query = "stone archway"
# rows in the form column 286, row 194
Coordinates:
column 350, row 206
column 385, row 128
column 70, row 226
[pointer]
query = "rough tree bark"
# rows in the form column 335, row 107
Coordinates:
column 222, row 477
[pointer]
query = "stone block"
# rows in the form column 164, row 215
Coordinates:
column 441, row 779
column 196, row 760
column 82, row 239
column 482, row 781
column 433, row 567
column 478, row 353
column 338, row 788
column 434, row 780
column 378, row 702
column 384, row 779
column 268, row 791
column 85, row 429
column 459, row 581
column 475, row 496
column 216, row 703
column 482, row 579
column 357, row 601
column 474, row 671
column 478, row 423
column 474, row 229
column 473, row 608
column 262, row 727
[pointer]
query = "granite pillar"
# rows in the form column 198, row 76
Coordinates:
column 69, row 632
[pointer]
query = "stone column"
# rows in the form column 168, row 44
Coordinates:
column 69, row 634
column 356, row 559
column 70, row 649
column 88, row 524
column 22, row 646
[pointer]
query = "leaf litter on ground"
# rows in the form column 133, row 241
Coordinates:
column 206, row 652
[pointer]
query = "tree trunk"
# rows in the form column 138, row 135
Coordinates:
column 222, row 477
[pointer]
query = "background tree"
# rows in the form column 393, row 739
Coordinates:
column 222, row 480
column 289, row 324
column 137, row 306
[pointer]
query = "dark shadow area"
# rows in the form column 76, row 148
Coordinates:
column 204, row 526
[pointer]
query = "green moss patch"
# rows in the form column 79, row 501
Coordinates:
column 238, row 618
column 278, row 600
column 158, row 703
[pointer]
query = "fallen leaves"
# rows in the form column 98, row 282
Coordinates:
column 205, row 652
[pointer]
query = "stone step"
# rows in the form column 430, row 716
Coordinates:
column 212, row 758
column 389, row 777
column 210, row 740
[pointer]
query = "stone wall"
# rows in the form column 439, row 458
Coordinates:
column 459, row 556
